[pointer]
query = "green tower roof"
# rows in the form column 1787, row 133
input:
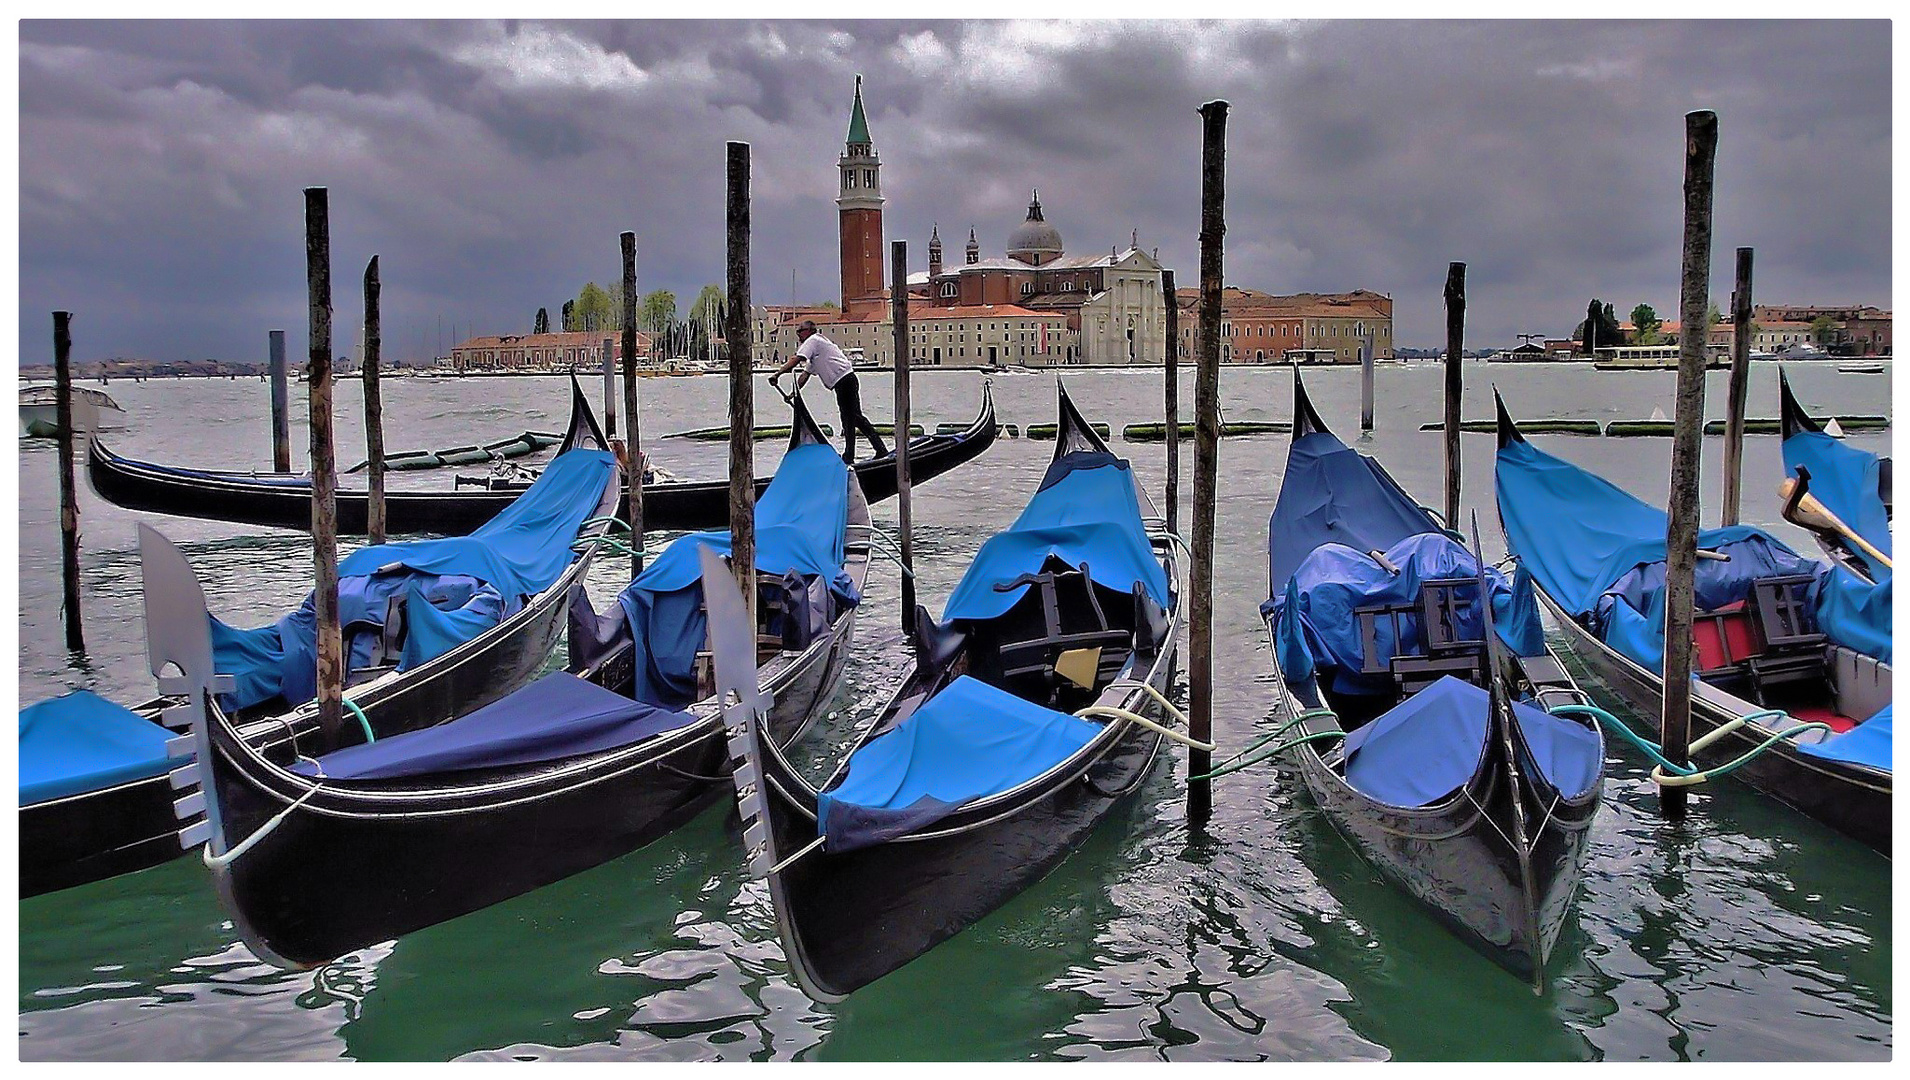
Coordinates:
column 858, row 123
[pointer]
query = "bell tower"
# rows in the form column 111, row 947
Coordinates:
column 859, row 210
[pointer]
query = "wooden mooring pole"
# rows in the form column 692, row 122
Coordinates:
column 1366, row 385
column 736, row 332
column 69, row 494
column 610, row 389
column 1455, row 381
column 1200, row 669
column 1740, row 388
column 281, row 422
column 1681, row 532
column 1172, row 387
column 374, row 413
column 905, row 522
column 318, row 380
column 634, row 444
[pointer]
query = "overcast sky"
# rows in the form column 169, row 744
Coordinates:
column 492, row 165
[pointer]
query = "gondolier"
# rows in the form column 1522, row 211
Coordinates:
column 826, row 362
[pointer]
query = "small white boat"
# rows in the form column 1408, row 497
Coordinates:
column 39, row 412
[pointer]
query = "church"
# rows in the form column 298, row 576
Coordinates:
column 1035, row 306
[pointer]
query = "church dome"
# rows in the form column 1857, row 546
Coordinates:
column 1034, row 240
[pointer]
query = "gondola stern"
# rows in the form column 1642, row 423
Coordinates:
column 1508, row 428
column 803, row 429
column 1073, row 432
column 1792, row 419
column 583, row 430
column 1306, row 419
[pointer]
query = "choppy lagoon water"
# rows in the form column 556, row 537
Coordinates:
column 1750, row 932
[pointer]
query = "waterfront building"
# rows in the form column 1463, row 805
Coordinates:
column 1262, row 328
column 564, row 351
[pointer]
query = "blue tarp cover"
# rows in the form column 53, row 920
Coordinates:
column 800, row 520
column 1330, row 494
column 965, row 743
column 1866, row 744
column 1424, row 748
column 81, row 742
column 1580, row 534
column 1630, row 615
column 1314, row 626
column 558, row 716
column 1086, row 512
column 468, row 584
column 1846, row 480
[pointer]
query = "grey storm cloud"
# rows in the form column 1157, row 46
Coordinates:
column 491, row 165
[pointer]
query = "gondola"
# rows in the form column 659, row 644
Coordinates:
column 1774, row 631
column 1421, row 719
column 1011, row 738
column 284, row 501
column 104, row 804
column 1852, row 485
column 572, row 770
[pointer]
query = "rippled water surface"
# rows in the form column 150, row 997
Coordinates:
column 1749, row 932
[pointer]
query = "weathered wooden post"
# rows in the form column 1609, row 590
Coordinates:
column 1200, row 672
column 634, row 444
column 318, row 380
column 69, row 494
column 742, row 402
column 610, row 389
column 1173, row 401
column 1740, row 388
column 899, row 315
column 1681, row 531
column 281, row 422
column 1455, row 381
column 374, row 413
column 1366, row 385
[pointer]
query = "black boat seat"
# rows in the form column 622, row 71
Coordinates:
column 1069, row 651
column 1794, row 649
column 1441, row 650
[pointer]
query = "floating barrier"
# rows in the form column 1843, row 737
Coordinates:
column 1752, row 426
column 1047, row 431
column 1158, row 432
column 1556, row 426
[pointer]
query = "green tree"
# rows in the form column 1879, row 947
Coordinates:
column 1604, row 326
column 542, row 323
column 1712, row 316
column 657, row 312
column 1823, row 329
column 570, row 315
column 593, row 310
column 706, row 320
column 1645, row 326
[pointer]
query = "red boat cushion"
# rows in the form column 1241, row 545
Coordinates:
column 1724, row 637
column 1837, row 721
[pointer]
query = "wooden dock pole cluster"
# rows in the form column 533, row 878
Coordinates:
column 1172, row 387
column 1681, row 533
column 1200, row 670
column 1455, row 381
column 318, row 375
column 634, row 444
column 374, row 413
column 899, row 315
column 69, row 494
column 281, row 422
column 1740, row 388
column 736, row 331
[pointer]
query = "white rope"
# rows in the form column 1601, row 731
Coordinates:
column 1137, row 718
column 232, row 854
column 813, row 845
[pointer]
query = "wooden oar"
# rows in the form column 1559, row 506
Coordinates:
column 1803, row 508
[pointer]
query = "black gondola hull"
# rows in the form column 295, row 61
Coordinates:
column 97, row 834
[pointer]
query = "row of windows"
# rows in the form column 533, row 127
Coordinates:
column 867, row 177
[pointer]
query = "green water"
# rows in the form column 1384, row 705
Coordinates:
column 1747, row 933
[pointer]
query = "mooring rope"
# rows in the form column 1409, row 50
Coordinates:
column 1667, row 773
column 1235, row 764
column 232, row 854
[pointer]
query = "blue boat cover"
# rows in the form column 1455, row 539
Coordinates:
column 1087, row 511
column 1316, row 634
column 1581, row 534
column 1334, row 495
column 1866, row 744
column 455, row 588
column 965, row 743
column 558, row 716
column 800, row 523
column 1847, row 481
column 81, row 742
column 1429, row 745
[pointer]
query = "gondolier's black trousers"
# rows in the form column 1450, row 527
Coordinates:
column 849, row 399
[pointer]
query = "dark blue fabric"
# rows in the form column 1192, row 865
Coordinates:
column 1846, row 480
column 558, row 716
column 1866, row 744
column 967, row 742
column 800, row 523
column 1853, row 612
column 1333, row 495
column 467, row 585
column 1086, row 512
column 1429, row 745
column 1630, row 616
column 1315, row 632
column 81, row 742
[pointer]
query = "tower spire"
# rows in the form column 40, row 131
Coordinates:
column 859, row 209
column 858, row 121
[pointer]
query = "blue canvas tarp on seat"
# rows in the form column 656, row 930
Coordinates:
column 1848, row 481
column 456, row 587
column 800, row 523
column 1086, row 511
column 1429, row 745
column 81, row 742
column 1866, row 744
column 1331, row 494
column 556, row 717
column 967, row 742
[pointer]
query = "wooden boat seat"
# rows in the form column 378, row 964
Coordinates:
column 1768, row 641
column 1043, row 667
column 1441, row 650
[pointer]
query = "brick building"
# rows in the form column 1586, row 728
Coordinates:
column 1261, row 328
column 577, row 349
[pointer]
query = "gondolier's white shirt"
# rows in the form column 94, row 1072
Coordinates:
column 825, row 361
